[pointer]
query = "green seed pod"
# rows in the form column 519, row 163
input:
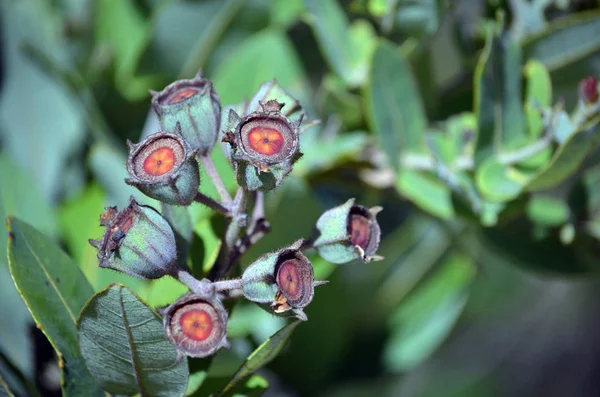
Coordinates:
column 163, row 167
column 283, row 281
column 196, row 326
column 137, row 241
column 264, row 146
column 348, row 232
column 195, row 107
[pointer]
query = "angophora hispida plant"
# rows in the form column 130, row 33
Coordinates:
column 262, row 144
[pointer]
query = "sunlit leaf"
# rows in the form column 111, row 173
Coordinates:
column 123, row 343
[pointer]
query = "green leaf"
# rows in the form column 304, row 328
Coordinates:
column 566, row 41
column 108, row 167
column 547, row 210
column 427, row 192
column 285, row 12
column 347, row 48
column 498, row 182
column 568, row 158
column 426, row 317
column 19, row 197
column 498, row 105
column 54, row 290
column 394, row 108
column 123, row 342
column 4, row 389
column 261, row 356
column 34, row 129
column 244, row 70
column 538, row 95
column 121, row 27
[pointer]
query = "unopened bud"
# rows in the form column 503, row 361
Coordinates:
column 137, row 241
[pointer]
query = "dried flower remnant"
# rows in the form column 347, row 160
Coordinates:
column 163, row 167
column 348, row 232
column 137, row 241
column 196, row 326
column 192, row 108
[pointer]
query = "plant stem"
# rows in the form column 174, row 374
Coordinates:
column 213, row 174
column 226, row 285
column 238, row 220
column 212, row 203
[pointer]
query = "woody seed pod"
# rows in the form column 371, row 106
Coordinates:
column 348, row 232
column 163, row 167
column 197, row 326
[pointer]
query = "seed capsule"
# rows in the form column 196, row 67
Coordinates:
column 283, row 281
column 264, row 146
column 194, row 107
column 163, row 167
column 348, row 232
column 196, row 326
column 137, row 241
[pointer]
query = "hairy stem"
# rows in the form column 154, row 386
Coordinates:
column 237, row 222
column 213, row 174
column 211, row 203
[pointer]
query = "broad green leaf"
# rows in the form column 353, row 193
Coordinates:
column 566, row 41
column 260, row 357
column 414, row 18
column 204, row 24
column 394, row 108
column 19, row 197
column 54, row 290
column 285, row 13
column 347, row 48
column 4, row 389
column 41, row 132
column 498, row 182
column 246, row 68
column 321, row 154
column 123, row 343
column 426, row 192
column 547, row 210
column 164, row 291
column 538, row 95
column 568, row 158
column 498, row 104
column 121, row 27
column 426, row 317
column 108, row 167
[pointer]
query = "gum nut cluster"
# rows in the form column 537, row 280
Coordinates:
column 264, row 146
column 348, row 232
column 163, row 167
column 196, row 325
column 137, row 241
column 191, row 107
column 282, row 281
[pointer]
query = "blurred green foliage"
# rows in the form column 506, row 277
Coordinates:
column 463, row 119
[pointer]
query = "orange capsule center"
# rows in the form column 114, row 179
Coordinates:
column 196, row 325
column 265, row 140
column 288, row 279
column 360, row 231
column 182, row 95
column 160, row 161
